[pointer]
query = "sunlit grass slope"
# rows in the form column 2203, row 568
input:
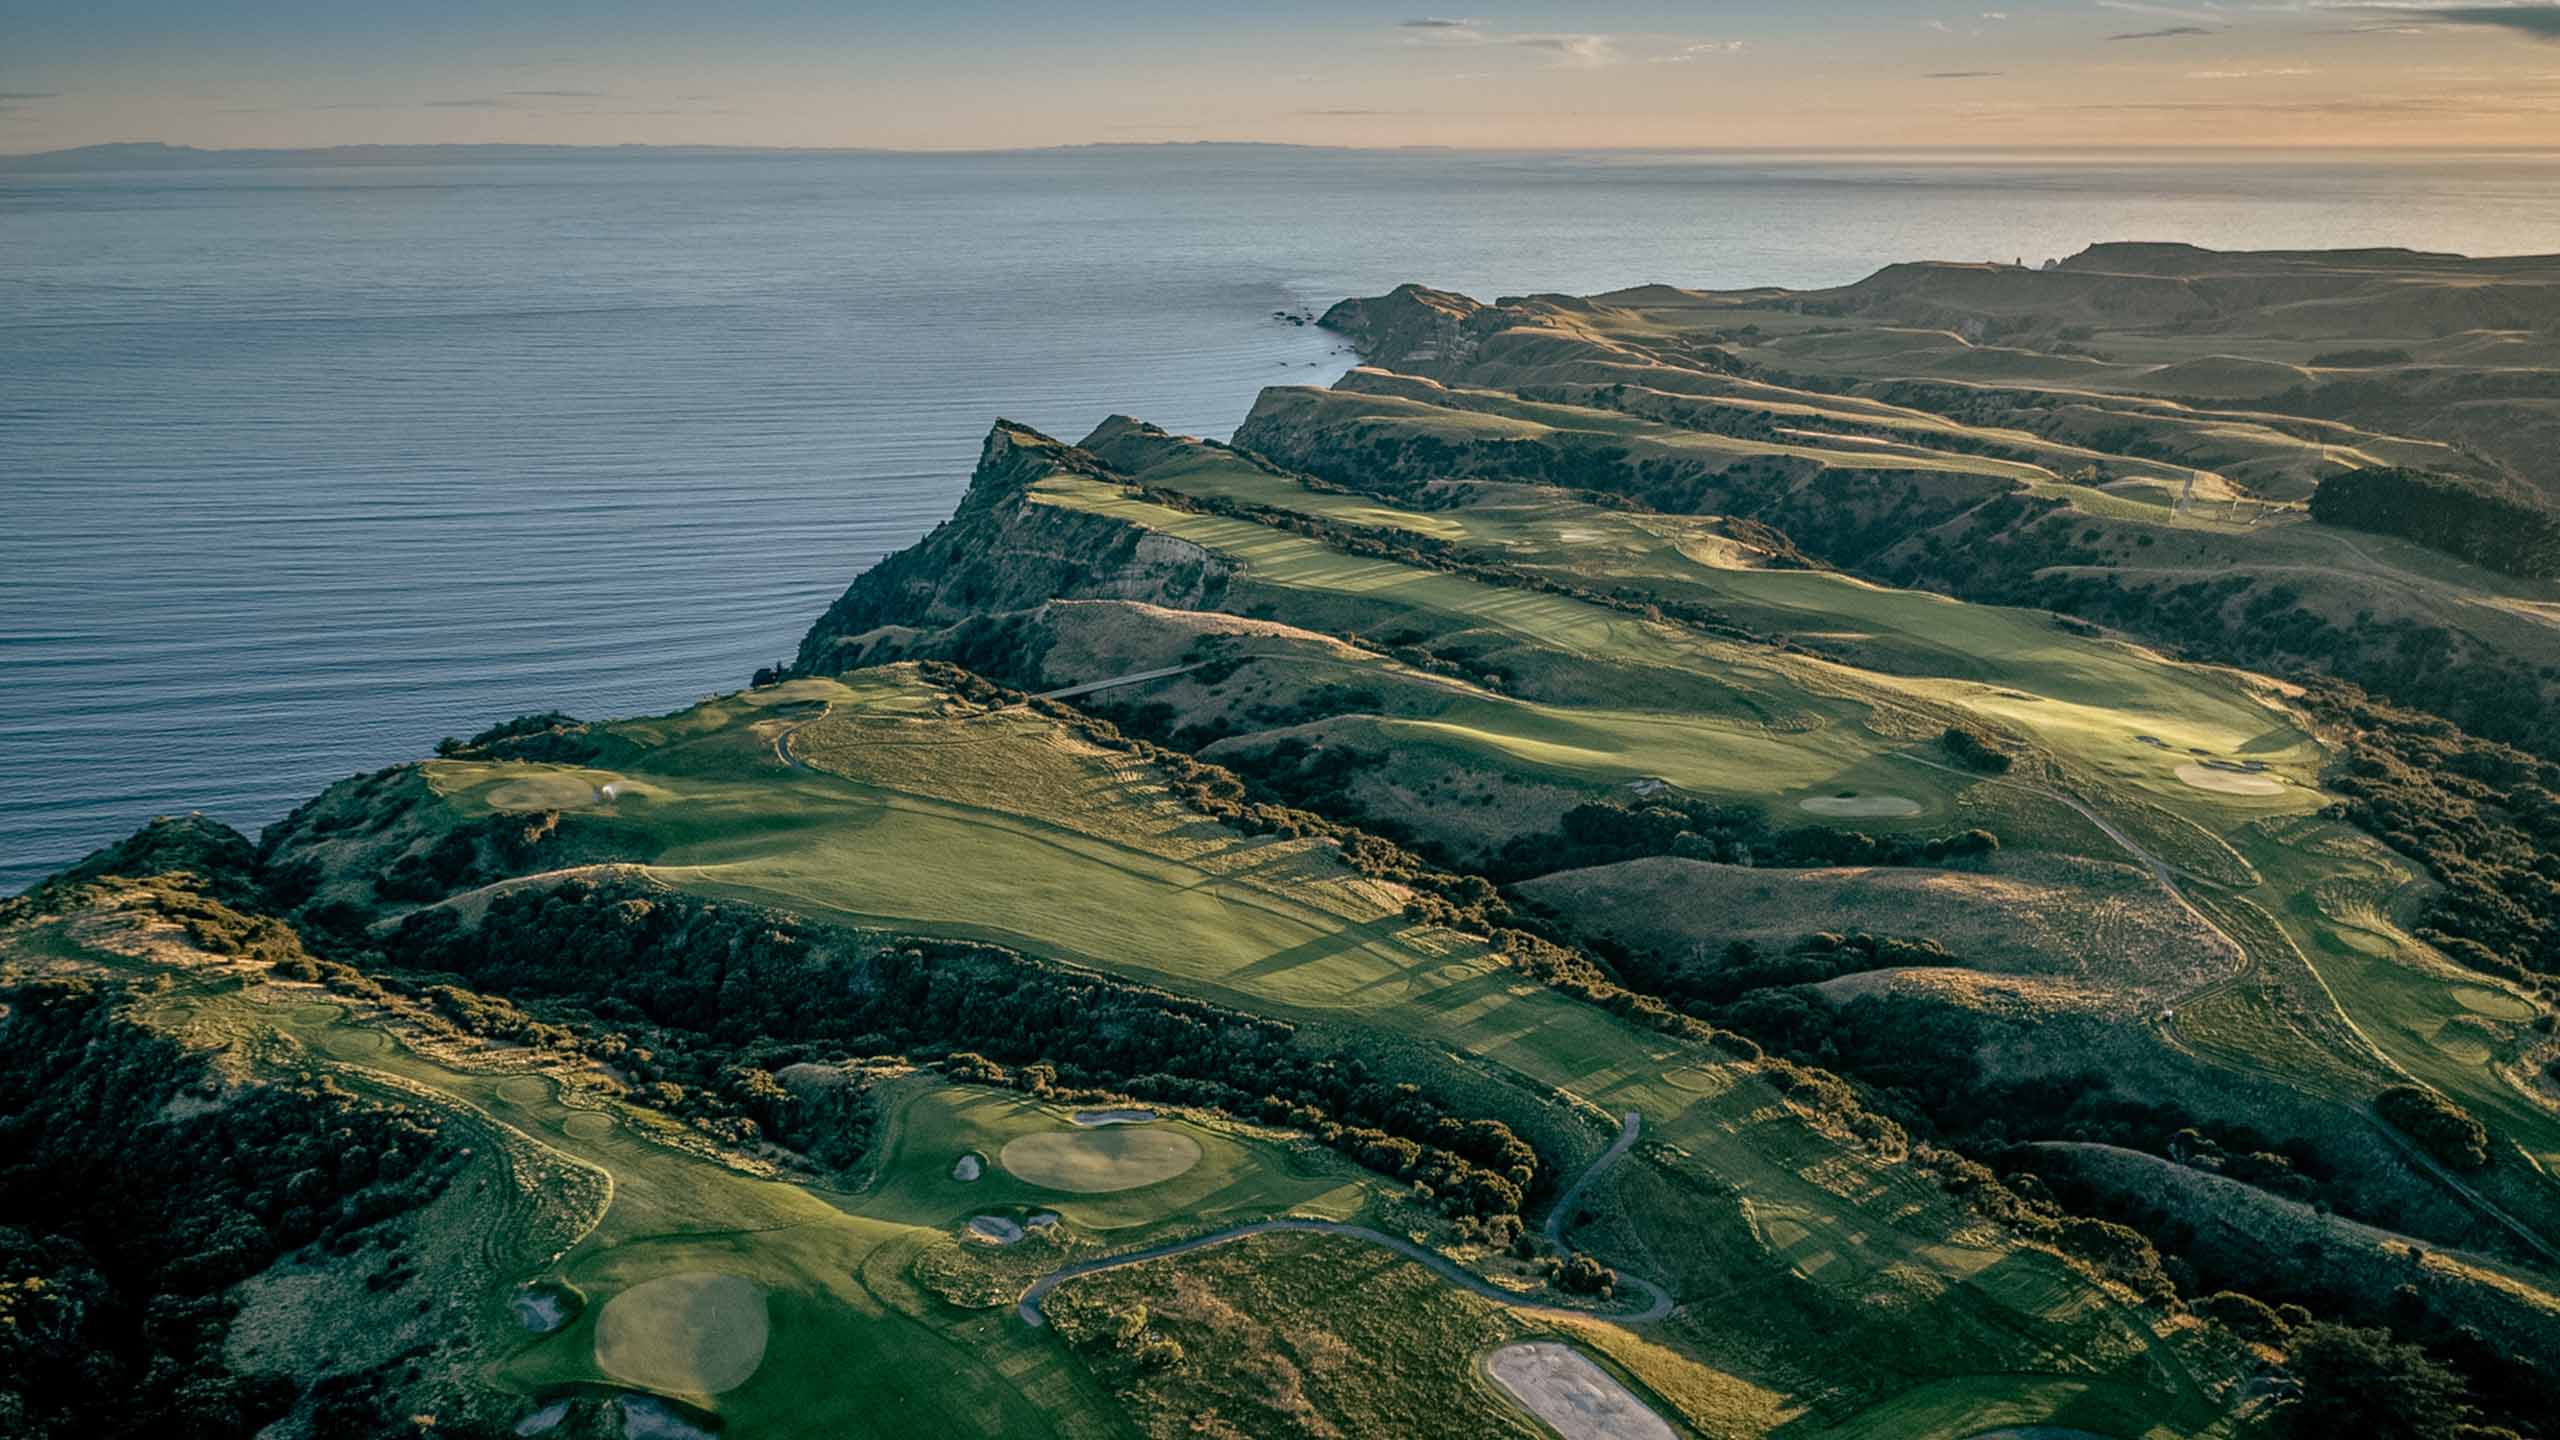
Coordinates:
column 883, row 801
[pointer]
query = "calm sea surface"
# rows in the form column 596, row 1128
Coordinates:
column 301, row 469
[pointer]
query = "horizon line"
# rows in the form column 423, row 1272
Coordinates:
column 2231, row 147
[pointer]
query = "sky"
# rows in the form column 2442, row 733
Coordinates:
column 977, row 74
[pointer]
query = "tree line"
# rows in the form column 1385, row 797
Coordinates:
column 689, row 996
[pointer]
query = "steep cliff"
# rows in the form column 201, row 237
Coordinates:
column 1003, row 549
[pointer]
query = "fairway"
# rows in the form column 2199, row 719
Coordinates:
column 1100, row 1161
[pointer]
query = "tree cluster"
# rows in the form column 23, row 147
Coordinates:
column 2508, row 531
column 1606, row 832
column 2482, row 817
column 2441, row 1128
column 1974, row 751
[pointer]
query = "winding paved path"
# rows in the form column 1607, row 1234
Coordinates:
column 1658, row 1303
column 1134, row 678
column 1563, row 1210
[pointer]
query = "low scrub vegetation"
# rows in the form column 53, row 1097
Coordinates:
column 138, row 1185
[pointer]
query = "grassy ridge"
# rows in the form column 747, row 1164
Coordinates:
column 890, row 791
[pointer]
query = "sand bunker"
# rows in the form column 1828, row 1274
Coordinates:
column 698, row 1333
column 1861, row 807
column 995, row 1228
column 1097, row 1162
column 968, row 1168
column 1113, row 1117
column 2229, row 782
column 544, row 1420
column 542, row 1309
column 1577, row 1399
column 646, row 1417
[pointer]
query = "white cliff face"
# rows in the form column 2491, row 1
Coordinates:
column 1164, row 570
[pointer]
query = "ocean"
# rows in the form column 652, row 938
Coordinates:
column 304, row 468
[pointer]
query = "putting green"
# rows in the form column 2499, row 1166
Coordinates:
column 1095, row 1162
column 544, row 792
column 588, row 1124
column 698, row 1333
column 2229, row 782
column 2496, row 1004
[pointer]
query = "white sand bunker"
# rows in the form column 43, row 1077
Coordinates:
column 1861, row 807
column 698, row 1333
column 2229, row 782
column 1096, row 1162
column 542, row 1309
column 646, row 1417
column 544, row 1420
column 1577, row 1399
column 968, row 1168
column 1113, row 1117
column 994, row 1228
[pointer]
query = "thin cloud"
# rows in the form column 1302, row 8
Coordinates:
column 2279, row 72
column 2165, row 32
column 1579, row 52
column 2493, row 105
column 475, row 102
column 2534, row 19
column 1347, row 113
column 2207, row 15
column 1962, row 74
column 20, row 96
column 1704, row 49
column 559, row 94
column 2542, row 22
column 1573, row 50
